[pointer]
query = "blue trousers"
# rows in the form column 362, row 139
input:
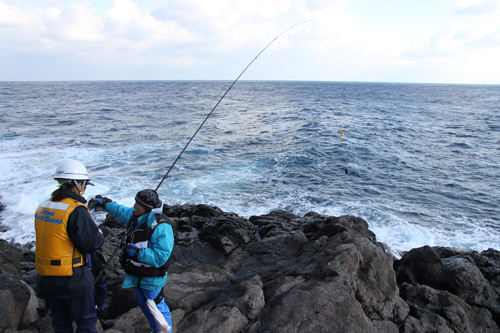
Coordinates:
column 142, row 295
column 79, row 309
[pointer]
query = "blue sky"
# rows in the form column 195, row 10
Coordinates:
column 438, row 41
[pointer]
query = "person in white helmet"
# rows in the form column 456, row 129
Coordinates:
column 65, row 235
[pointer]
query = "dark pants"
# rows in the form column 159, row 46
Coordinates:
column 100, row 284
column 100, row 294
column 79, row 309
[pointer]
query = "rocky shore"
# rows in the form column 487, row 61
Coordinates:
column 282, row 273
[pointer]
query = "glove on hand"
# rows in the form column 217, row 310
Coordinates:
column 102, row 201
column 132, row 251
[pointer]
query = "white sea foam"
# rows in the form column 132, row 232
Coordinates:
column 225, row 189
column 270, row 148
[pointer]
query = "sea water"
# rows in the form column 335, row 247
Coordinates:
column 419, row 162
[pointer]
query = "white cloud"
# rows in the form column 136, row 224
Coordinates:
column 462, row 53
column 12, row 15
column 137, row 29
column 76, row 22
column 477, row 7
column 199, row 39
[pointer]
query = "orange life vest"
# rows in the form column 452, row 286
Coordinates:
column 55, row 253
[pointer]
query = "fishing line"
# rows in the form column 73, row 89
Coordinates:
column 204, row 121
column 345, row 157
column 191, row 139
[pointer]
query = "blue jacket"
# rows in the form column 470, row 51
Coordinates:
column 160, row 247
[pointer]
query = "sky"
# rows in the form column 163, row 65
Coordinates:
column 424, row 41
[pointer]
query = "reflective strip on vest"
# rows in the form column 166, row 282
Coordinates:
column 52, row 262
column 55, row 205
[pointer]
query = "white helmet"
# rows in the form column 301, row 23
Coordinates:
column 72, row 170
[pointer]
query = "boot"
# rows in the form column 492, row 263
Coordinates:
column 105, row 323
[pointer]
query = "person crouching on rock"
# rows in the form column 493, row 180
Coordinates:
column 66, row 235
column 145, row 258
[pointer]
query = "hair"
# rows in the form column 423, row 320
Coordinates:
column 146, row 209
column 58, row 195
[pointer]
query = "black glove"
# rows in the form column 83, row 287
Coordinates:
column 102, row 201
column 92, row 204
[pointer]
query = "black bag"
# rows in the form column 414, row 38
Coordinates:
column 141, row 234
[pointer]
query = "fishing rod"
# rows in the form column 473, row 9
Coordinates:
column 224, row 95
column 192, row 137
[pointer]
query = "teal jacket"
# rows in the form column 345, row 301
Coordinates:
column 160, row 247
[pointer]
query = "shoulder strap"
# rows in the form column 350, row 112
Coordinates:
column 162, row 218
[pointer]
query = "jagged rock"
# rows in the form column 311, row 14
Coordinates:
column 364, row 264
column 196, row 252
column 206, row 211
column 432, row 309
column 462, row 278
column 190, row 286
column 227, row 232
column 229, row 313
column 188, row 210
column 14, row 298
column 272, row 222
column 132, row 321
column 450, row 270
column 316, row 306
column 29, row 273
column 32, row 310
column 10, row 260
column 280, row 272
column 355, row 226
column 43, row 325
column 122, row 301
column 111, row 222
column 428, row 322
column 271, row 254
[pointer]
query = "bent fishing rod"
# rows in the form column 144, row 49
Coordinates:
column 192, row 137
column 217, row 104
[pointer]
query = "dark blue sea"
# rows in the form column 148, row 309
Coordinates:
column 422, row 160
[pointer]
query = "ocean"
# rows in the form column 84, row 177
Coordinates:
column 419, row 162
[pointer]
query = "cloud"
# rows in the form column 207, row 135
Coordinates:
column 199, row 39
column 477, row 7
column 461, row 53
column 73, row 23
column 139, row 29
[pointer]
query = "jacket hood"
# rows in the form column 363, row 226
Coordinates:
column 155, row 211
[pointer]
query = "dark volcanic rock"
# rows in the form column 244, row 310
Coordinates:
column 281, row 272
column 227, row 232
column 193, row 285
column 329, row 305
column 228, row 313
column 440, row 284
column 10, row 260
column 14, row 298
column 436, row 308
